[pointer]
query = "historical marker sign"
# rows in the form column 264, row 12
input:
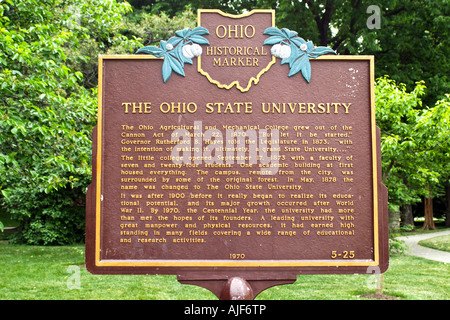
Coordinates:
column 236, row 148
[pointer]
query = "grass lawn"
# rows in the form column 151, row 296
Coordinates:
column 439, row 243
column 47, row 273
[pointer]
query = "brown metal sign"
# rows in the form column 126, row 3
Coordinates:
column 236, row 149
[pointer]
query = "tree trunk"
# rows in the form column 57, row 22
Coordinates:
column 394, row 219
column 429, row 222
column 447, row 205
column 407, row 218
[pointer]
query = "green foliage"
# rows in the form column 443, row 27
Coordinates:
column 152, row 28
column 413, row 44
column 433, row 126
column 396, row 246
column 396, row 114
column 48, row 104
column 414, row 142
column 97, row 27
column 46, row 115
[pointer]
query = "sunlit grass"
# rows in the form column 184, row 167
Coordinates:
column 45, row 273
column 439, row 243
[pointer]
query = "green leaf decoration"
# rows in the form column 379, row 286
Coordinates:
column 306, row 70
column 175, row 64
column 166, row 70
column 300, row 50
column 289, row 34
column 273, row 40
column 174, row 41
column 199, row 39
column 295, row 54
column 299, row 64
column 178, row 52
column 273, row 31
column 172, row 50
column 298, row 41
column 182, row 33
column 318, row 51
column 199, row 31
column 155, row 51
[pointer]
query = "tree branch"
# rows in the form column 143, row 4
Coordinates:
column 388, row 170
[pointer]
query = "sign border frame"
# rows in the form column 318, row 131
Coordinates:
column 234, row 263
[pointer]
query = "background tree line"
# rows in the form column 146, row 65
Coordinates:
column 48, row 99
